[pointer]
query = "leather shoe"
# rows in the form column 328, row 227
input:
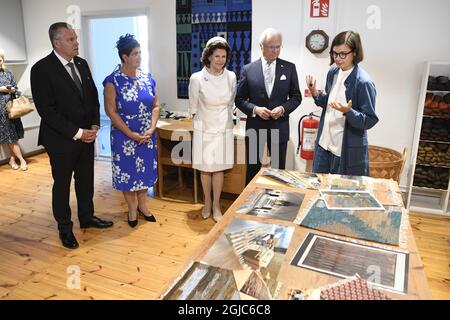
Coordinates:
column 96, row 223
column 150, row 218
column 68, row 240
column 132, row 223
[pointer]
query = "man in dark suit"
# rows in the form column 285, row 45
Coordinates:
column 267, row 92
column 67, row 101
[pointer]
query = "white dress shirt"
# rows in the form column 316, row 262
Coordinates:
column 271, row 70
column 269, row 87
column 333, row 128
column 65, row 64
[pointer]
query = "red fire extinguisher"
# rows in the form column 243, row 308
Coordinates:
column 307, row 133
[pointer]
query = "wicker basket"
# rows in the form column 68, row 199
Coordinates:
column 386, row 163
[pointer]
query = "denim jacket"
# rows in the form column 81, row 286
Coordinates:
column 359, row 88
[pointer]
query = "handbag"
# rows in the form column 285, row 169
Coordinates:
column 18, row 107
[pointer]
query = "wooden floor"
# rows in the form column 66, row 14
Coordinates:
column 125, row 263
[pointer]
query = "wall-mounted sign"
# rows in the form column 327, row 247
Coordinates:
column 320, row 8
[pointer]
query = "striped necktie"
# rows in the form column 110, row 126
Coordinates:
column 268, row 78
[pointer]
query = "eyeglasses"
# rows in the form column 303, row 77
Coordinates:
column 273, row 47
column 341, row 55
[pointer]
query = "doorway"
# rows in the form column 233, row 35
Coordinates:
column 101, row 37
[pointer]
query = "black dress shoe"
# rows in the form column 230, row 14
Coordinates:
column 96, row 223
column 68, row 240
column 150, row 218
column 132, row 223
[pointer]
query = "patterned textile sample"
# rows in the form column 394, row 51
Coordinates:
column 352, row 289
column 378, row 226
column 386, row 268
column 200, row 20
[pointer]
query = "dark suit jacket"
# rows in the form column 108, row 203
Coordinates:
column 63, row 109
column 251, row 92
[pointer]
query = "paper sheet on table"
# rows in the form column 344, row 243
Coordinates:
column 162, row 123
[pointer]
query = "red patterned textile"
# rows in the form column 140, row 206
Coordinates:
column 356, row 289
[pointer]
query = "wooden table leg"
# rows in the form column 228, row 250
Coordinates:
column 180, row 177
column 309, row 165
column 195, row 187
column 160, row 180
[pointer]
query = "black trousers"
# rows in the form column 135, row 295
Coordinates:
column 254, row 148
column 80, row 163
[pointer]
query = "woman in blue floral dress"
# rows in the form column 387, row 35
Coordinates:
column 133, row 107
column 10, row 130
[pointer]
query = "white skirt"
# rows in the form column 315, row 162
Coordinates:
column 213, row 152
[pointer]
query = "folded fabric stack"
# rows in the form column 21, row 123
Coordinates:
column 437, row 105
column 434, row 129
column 429, row 177
column 440, row 83
column 434, row 154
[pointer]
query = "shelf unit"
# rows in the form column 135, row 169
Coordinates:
column 430, row 194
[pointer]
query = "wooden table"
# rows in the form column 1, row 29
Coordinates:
column 169, row 135
column 296, row 277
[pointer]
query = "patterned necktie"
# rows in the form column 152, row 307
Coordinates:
column 75, row 77
column 268, row 78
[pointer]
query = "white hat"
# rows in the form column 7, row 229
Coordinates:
column 2, row 52
column 214, row 39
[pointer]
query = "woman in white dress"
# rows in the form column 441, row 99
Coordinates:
column 211, row 101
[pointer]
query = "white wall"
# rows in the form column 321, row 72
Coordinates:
column 411, row 32
column 38, row 15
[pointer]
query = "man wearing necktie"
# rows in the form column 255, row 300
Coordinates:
column 267, row 92
column 67, row 101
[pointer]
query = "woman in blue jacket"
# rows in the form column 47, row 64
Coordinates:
column 348, row 110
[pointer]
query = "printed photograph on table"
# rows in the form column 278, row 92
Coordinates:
column 274, row 204
column 293, row 178
column 297, row 294
column 386, row 191
column 344, row 182
column 254, row 286
column 252, row 245
column 382, row 268
column 377, row 226
column 204, row 282
column 388, row 198
column 382, row 185
column 312, row 179
column 350, row 200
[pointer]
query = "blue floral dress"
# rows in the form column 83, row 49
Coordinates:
column 10, row 130
column 134, row 166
